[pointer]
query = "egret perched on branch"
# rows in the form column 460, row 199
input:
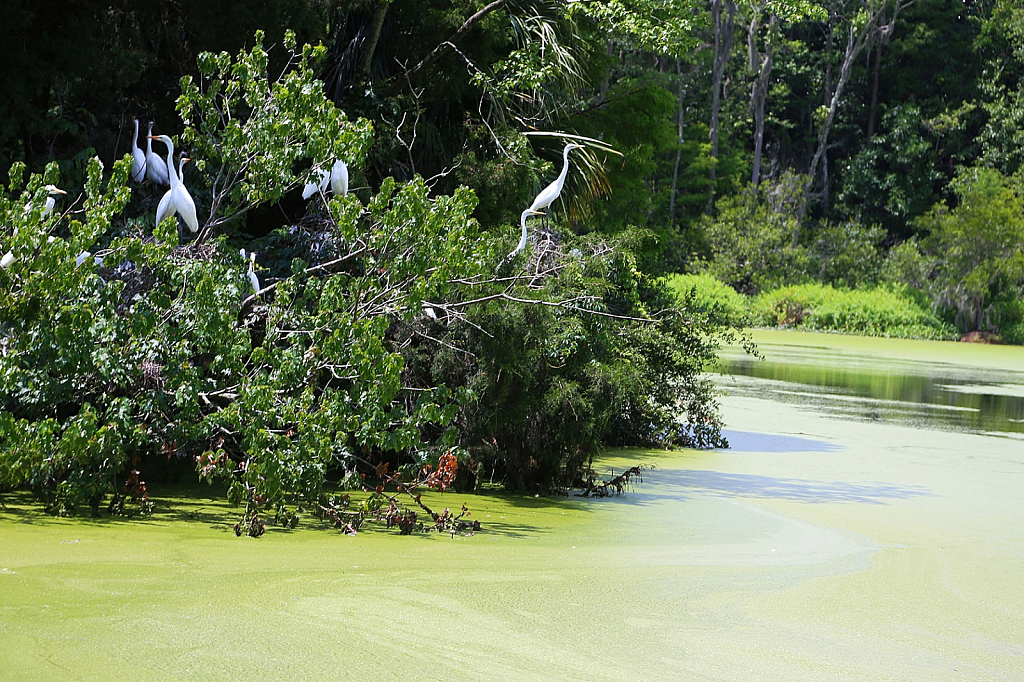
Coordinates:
column 547, row 196
column 48, row 207
column 138, row 156
column 176, row 199
column 254, row 281
column 6, row 261
column 156, row 169
column 51, row 200
column 337, row 177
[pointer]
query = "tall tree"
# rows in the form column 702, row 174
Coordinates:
column 724, row 26
column 761, row 69
column 866, row 23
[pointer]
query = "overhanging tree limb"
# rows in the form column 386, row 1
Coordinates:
column 443, row 47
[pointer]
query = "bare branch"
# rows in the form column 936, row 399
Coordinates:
column 436, row 53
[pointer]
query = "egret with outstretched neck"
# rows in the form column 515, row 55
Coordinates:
column 138, row 156
column 547, row 195
column 156, row 169
column 522, row 240
column 177, row 199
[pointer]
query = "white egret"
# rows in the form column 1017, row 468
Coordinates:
column 156, row 169
column 138, row 156
column 522, row 240
column 339, row 178
column 81, row 258
column 6, row 261
column 176, row 199
column 311, row 187
column 48, row 206
column 547, row 195
column 51, row 200
column 253, row 279
column 551, row 192
column 336, row 178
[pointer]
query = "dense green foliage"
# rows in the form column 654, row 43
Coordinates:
column 391, row 336
column 710, row 294
column 883, row 311
column 845, row 165
column 871, row 312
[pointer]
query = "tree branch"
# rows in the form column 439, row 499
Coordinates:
column 436, row 53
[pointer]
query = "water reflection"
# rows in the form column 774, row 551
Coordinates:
column 846, row 385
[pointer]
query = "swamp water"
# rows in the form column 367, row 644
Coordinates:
column 848, row 534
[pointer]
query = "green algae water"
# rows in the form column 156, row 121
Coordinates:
column 886, row 381
column 827, row 543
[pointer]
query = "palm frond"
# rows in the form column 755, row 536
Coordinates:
column 542, row 27
column 587, row 180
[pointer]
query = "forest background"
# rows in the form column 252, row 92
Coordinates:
column 851, row 166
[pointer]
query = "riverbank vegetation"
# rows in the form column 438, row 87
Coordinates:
column 851, row 165
column 882, row 311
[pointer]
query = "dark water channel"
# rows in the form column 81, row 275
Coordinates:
column 844, row 384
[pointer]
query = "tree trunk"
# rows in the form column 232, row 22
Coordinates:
column 857, row 39
column 373, row 36
column 679, row 147
column 873, row 109
column 723, row 46
column 762, row 69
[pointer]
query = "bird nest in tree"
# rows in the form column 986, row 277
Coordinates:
column 152, row 374
column 317, row 237
column 137, row 281
column 193, row 252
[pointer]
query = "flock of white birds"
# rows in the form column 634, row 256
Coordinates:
column 149, row 167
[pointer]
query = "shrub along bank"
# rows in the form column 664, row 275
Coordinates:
column 882, row 311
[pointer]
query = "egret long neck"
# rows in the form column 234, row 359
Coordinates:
column 172, row 175
column 149, row 141
column 565, row 166
column 135, row 137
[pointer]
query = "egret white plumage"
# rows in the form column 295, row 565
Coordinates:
column 51, row 201
column 311, row 187
column 339, row 178
column 48, row 206
column 522, row 240
column 6, row 261
column 253, row 279
column 336, row 178
column 547, row 195
column 156, row 169
column 138, row 156
column 551, row 192
column 177, row 199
